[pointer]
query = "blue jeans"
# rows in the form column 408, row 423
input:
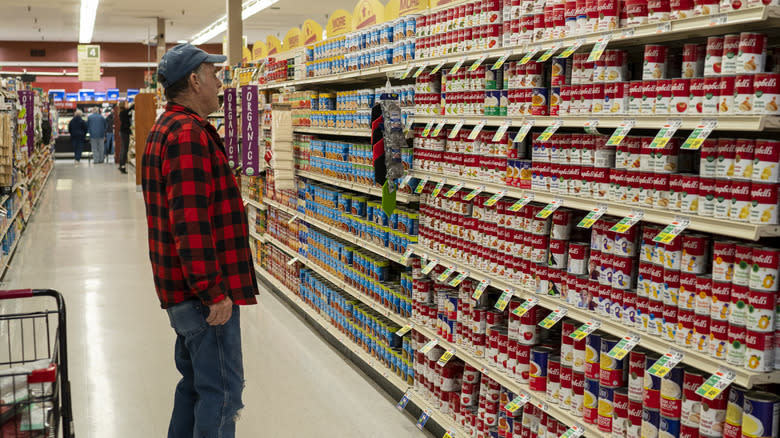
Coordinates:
column 208, row 396
column 78, row 147
column 97, row 149
column 109, row 143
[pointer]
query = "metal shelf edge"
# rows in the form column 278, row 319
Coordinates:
column 376, row 191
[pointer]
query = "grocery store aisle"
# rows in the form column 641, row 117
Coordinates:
column 88, row 240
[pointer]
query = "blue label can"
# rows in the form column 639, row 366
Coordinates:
column 761, row 415
column 651, row 421
column 669, row 426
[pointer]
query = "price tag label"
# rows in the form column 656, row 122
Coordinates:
column 662, row 366
column 592, row 216
column 406, row 72
column 438, row 128
column 627, row 222
column 543, row 406
column 478, row 62
column 585, row 329
column 672, row 230
column 718, row 19
column 504, row 299
column 549, row 208
column 454, row 189
column 571, row 49
column 501, row 131
column 427, row 130
column 448, row 434
column 408, row 124
column 405, row 180
column 456, row 129
column 548, row 54
column 699, row 134
column 429, row 267
column 457, row 66
column 292, row 219
column 419, row 71
column 524, row 130
column 666, row 133
column 446, row 274
column 500, row 61
column 292, row 260
column 446, row 357
column 530, row 55
column 525, row 306
column 628, row 33
column 517, row 402
column 621, row 132
column 474, row 193
column 405, row 257
column 554, row 316
column 403, row 402
column 599, row 48
column 480, row 289
column 664, row 27
column 717, row 383
column 421, row 185
column 429, row 346
column 493, row 199
column 404, row 330
column 458, row 279
column 439, row 186
column 624, row 346
column 575, row 431
column 438, row 67
column 522, row 202
column 477, row 129
column 591, row 126
column 547, row 133
column 423, row 419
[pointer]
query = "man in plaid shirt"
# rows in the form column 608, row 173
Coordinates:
column 198, row 245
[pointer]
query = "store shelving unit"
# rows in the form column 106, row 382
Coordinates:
column 259, row 237
column 725, row 227
column 333, row 131
column 255, row 204
column 362, row 188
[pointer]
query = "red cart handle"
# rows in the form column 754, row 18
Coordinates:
column 15, row 293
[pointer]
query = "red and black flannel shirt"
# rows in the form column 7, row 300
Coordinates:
column 198, row 236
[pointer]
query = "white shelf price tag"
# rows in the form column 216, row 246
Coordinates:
column 439, row 186
column 522, row 202
column 504, row 299
column 672, row 230
column 501, row 130
column 404, row 330
column 480, row 289
column 525, row 306
column 478, row 62
column 530, row 55
column 548, row 54
column 585, row 329
column 628, row 33
column 591, row 126
column 474, row 193
column 419, row 71
column 524, row 129
column 627, row 222
column 421, row 185
column 550, row 208
column 477, row 129
column 406, row 72
column 438, row 67
column 517, row 402
column 500, row 61
column 457, row 66
column 292, row 260
column 571, row 49
column 621, row 132
column 599, row 48
column 429, row 346
column 554, row 316
column 575, row 431
column 666, row 133
column 664, row 27
column 404, row 258
column 429, row 267
column 437, row 129
column 423, row 419
column 669, row 360
column 592, row 216
column 493, row 199
column 717, row 383
column 449, row 434
column 699, row 134
column 403, row 402
column 548, row 133
column 458, row 279
column 292, row 219
column 427, row 129
column 624, row 346
column 456, row 129
column 445, row 357
column 446, row 274
column 718, row 19
column 408, row 124
column 454, row 189
column 543, row 406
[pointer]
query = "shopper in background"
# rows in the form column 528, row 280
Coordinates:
column 97, row 134
column 117, row 136
column 198, row 245
column 78, row 133
column 109, row 115
column 125, row 121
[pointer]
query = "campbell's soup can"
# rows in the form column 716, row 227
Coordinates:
column 688, row 291
column 735, row 349
column 538, row 368
column 696, row 96
column 732, row 428
column 723, row 260
column 658, row 10
column 726, row 94
column 695, row 253
column 765, row 203
column 713, row 415
column 760, row 352
column 761, row 311
column 741, row 203
column 713, row 60
column 685, row 331
column 744, row 94
column 689, row 194
column 767, row 93
column 682, row 9
column 711, row 96
column 719, row 336
column 701, row 333
column 727, row 153
column 766, row 160
column 693, row 61
column 655, row 62
column 637, row 12
column 706, row 7
column 690, row 411
column 752, row 53
column 708, row 163
column 636, row 375
column 722, row 198
column 743, row 159
column 634, row 419
column 730, row 52
column 649, row 88
column 635, row 97
column 651, row 422
column 680, row 96
column 663, row 98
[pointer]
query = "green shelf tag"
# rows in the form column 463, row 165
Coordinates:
column 474, row 193
column 549, row 209
column 480, row 289
column 526, row 305
column 585, row 329
column 458, row 279
column 699, row 134
column 599, row 48
column 437, row 189
column 624, row 346
column 421, row 185
column 621, row 132
column 446, row 274
column 522, row 202
column 548, row 54
column 478, row 62
column 665, row 134
column 717, row 383
column 592, row 217
column 665, row 364
column 548, row 133
column 671, row 231
column 493, row 199
column 427, row 130
column 454, row 189
column 504, row 299
column 500, row 61
column 627, row 222
column 554, row 316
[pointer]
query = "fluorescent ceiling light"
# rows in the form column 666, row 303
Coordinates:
column 87, row 20
column 216, row 28
column 181, row 41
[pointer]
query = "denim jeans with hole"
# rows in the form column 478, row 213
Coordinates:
column 208, row 396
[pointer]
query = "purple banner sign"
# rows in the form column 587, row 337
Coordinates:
column 231, row 127
column 250, row 142
column 27, row 116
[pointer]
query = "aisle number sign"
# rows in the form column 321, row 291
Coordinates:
column 717, row 383
column 89, row 62
column 624, row 346
column 665, row 363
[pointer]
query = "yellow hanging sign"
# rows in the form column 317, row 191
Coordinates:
column 311, row 32
column 293, row 39
column 367, row 13
column 273, row 44
column 340, row 22
column 259, row 50
column 399, row 8
column 246, row 55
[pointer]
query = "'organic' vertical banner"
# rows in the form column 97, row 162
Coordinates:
column 27, row 116
column 250, row 150
column 231, row 127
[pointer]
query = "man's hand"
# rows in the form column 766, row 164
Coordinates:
column 220, row 313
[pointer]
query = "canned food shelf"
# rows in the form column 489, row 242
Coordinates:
column 376, row 191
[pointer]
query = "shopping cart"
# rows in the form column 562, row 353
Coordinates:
column 34, row 386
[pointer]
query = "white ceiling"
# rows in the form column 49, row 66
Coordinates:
column 132, row 21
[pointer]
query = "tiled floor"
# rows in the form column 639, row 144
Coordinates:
column 88, row 240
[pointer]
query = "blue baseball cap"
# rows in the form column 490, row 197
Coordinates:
column 183, row 59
